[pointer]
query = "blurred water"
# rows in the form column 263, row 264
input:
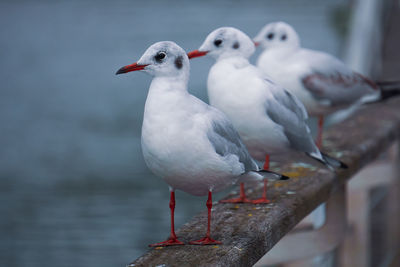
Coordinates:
column 74, row 188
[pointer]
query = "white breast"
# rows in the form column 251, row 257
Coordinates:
column 288, row 71
column 176, row 147
column 240, row 93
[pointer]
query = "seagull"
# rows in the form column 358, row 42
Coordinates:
column 269, row 119
column 190, row 144
column 323, row 83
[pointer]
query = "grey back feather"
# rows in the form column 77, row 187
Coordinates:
column 287, row 111
column 226, row 140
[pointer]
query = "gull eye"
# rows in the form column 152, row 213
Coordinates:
column 283, row 37
column 160, row 56
column 270, row 36
column 217, row 42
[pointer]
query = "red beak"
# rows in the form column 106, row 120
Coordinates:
column 196, row 53
column 256, row 43
column 132, row 67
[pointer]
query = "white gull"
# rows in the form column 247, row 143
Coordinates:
column 269, row 119
column 188, row 143
column 322, row 82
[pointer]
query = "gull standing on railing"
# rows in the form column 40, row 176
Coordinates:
column 323, row 83
column 269, row 119
column 190, row 144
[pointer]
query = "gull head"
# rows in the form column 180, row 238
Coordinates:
column 225, row 42
column 277, row 35
column 161, row 59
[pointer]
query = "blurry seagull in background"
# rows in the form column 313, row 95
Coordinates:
column 188, row 143
column 323, row 83
column 269, row 119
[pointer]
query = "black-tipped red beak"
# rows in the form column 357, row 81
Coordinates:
column 256, row 43
column 196, row 53
column 129, row 68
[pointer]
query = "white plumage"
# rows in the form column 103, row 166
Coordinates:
column 188, row 143
column 269, row 119
column 322, row 82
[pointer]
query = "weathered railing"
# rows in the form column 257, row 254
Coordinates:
column 249, row 231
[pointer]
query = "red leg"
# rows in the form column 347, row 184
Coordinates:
column 263, row 199
column 241, row 199
column 320, row 129
column 207, row 240
column 172, row 240
column 266, row 163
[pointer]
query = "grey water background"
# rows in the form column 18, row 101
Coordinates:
column 74, row 189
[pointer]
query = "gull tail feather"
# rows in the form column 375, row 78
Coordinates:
column 334, row 162
column 270, row 175
column 388, row 89
column 388, row 84
column 329, row 161
column 386, row 92
column 389, row 93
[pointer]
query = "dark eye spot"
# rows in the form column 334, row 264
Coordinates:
column 217, row 42
column 283, row 37
column 270, row 36
column 236, row 45
column 160, row 56
column 178, row 62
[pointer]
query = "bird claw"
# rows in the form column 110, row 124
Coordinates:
column 169, row 242
column 205, row 241
column 236, row 200
column 262, row 200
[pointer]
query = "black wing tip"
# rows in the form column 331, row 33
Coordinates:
column 343, row 165
column 389, row 93
column 284, row 177
column 281, row 176
column 387, row 82
column 340, row 164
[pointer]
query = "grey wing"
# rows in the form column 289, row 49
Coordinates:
column 338, row 88
column 225, row 139
column 330, row 81
column 288, row 112
column 291, row 102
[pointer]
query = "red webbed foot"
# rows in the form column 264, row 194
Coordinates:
column 172, row 241
column 205, row 241
column 262, row 200
column 236, row 200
